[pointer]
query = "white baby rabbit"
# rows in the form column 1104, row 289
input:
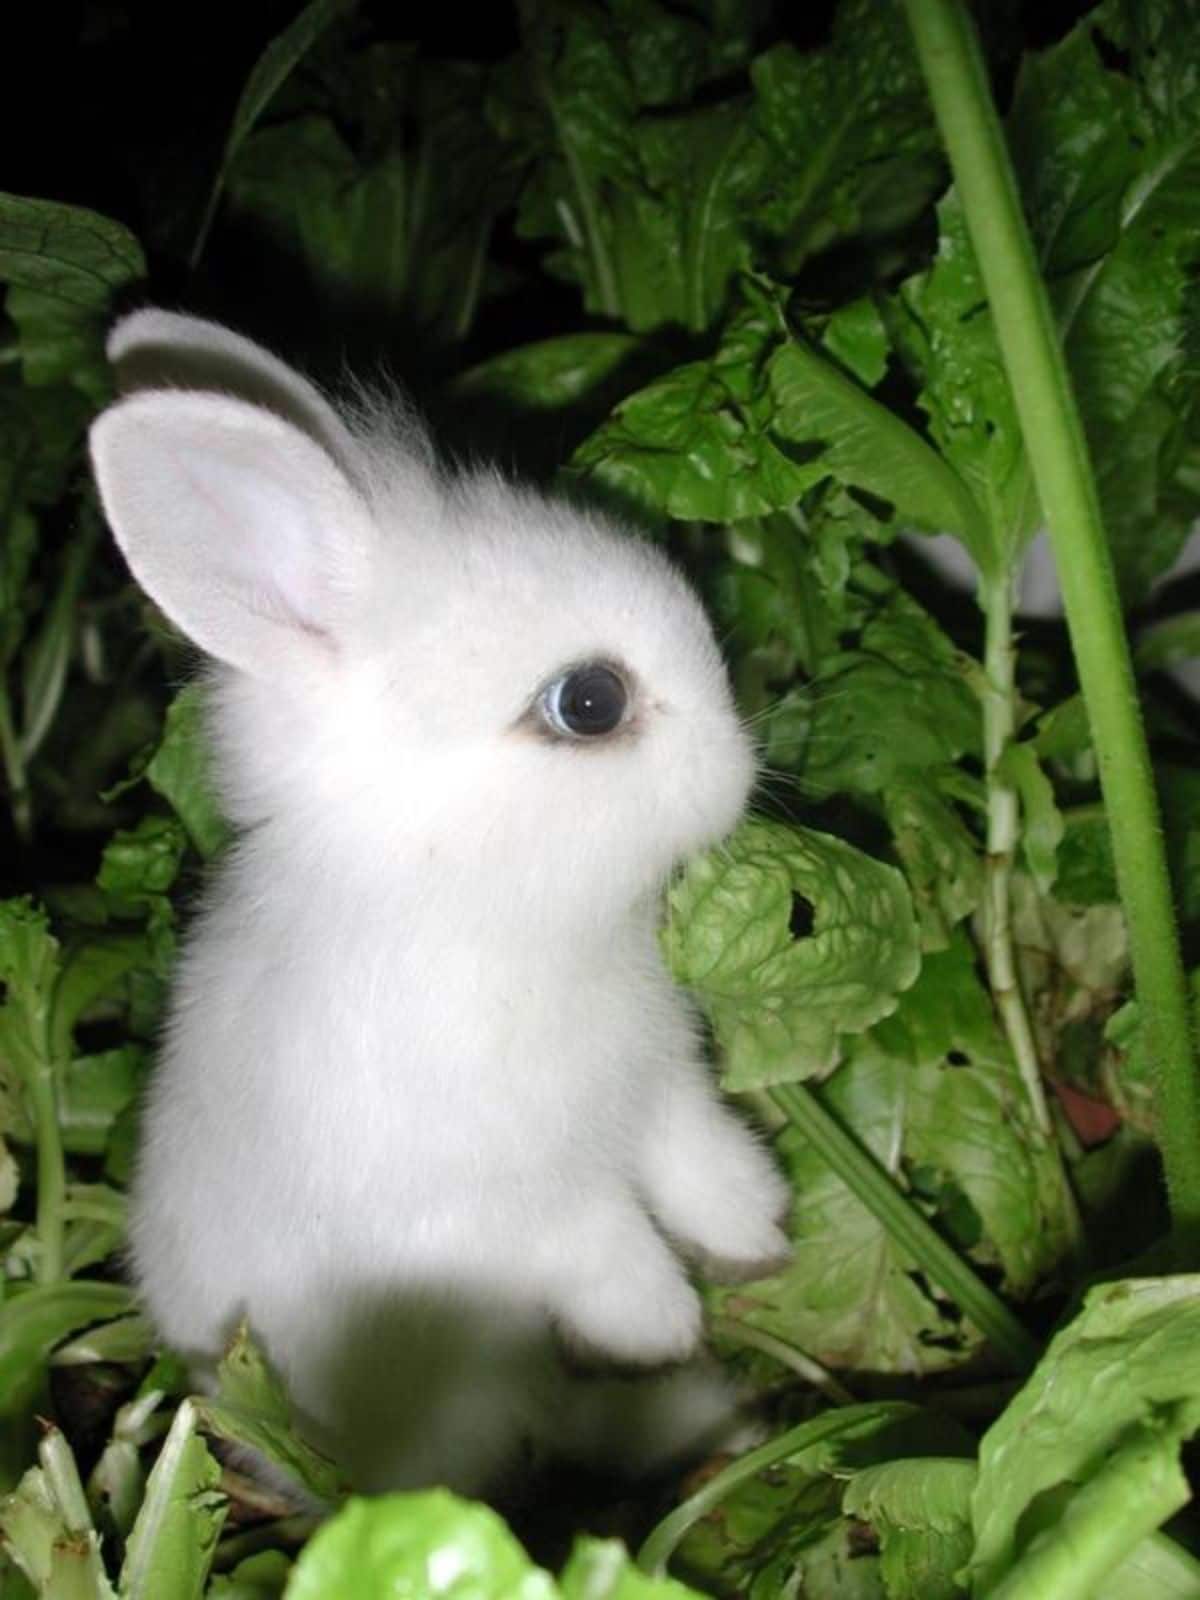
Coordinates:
column 427, row 1091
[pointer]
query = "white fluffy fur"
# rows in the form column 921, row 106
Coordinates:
column 427, row 1092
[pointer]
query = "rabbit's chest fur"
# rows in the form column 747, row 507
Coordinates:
column 422, row 1101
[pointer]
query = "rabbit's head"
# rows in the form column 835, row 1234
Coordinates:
column 414, row 668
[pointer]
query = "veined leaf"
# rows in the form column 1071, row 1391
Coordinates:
column 781, row 999
column 921, row 1511
column 1132, row 1355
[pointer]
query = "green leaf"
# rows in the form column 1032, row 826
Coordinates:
column 181, row 771
column 896, row 704
column 947, row 335
column 850, row 1298
column 270, row 71
column 421, row 1545
column 699, row 444
column 46, row 1526
column 921, row 1512
column 1130, row 316
column 252, row 1409
column 35, row 1319
column 770, row 1522
column 1042, row 825
column 29, row 969
column 779, row 1003
column 173, row 1540
column 65, row 267
column 856, row 338
column 940, row 856
column 1130, row 1357
column 866, row 446
column 96, row 1089
column 140, row 864
column 852, row 148
column 260, row 1577
column 601, row 1569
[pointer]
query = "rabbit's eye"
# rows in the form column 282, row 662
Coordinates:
column 586, row 702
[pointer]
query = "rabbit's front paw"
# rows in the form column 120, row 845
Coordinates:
column 616, row 1319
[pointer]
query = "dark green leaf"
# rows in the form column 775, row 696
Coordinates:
column 65, row 267
column 271, row 69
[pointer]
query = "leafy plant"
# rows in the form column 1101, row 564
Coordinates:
column 819, row 303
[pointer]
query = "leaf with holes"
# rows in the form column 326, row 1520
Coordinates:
column 790, row 939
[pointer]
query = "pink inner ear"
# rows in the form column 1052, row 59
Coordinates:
column 245, row 531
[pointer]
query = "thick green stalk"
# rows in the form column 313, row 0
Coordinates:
column 863, row 1175
column 1058, row 458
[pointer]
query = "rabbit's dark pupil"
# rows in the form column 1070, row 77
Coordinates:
column 592, row 701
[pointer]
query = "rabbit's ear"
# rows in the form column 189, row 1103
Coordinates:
column 245, row 532
column 154, row 349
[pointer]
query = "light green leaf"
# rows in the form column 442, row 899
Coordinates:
column 601, row 1569
column 850, row 1298
column 252, row 1409
column 1132, row 1355
column 423, row 1545
column 181, row 771
column 921, row 1512
column 46, row 1527
column 968, row 1124
column 856, row 338
column 96, row 1089
column 1042, row 825
column 260, row 1577
column 34, row 1320
column 173, row 1540
column 780, row 1003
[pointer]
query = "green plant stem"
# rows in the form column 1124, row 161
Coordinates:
column 1003, row 834
column 1057, row 452
column 1102, row 1524
column 862, row 1174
